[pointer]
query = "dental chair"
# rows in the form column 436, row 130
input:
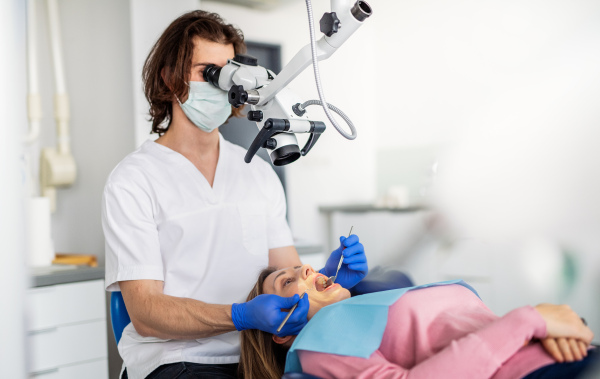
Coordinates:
column 118, row 315
column 378, row 279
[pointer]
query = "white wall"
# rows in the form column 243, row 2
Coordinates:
column 12, row 251
column 97, row 56
column 450, row 59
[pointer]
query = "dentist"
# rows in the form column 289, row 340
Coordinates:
column 188, row 224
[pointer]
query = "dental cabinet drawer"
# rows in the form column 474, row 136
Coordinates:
column 65, row 304
column 66, row 345
column 97, row 369
column 67, row 331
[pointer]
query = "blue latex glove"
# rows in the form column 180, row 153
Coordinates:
column 266, row 312
column 354, row 268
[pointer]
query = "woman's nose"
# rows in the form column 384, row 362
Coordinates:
column 306, row 271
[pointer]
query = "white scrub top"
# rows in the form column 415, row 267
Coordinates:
column 163, row 221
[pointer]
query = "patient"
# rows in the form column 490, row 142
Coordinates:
column 439, row 331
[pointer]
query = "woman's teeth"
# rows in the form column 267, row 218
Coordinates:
column 321, row 283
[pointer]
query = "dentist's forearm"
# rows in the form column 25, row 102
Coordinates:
column 155, row 314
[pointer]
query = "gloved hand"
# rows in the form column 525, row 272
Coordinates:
column 354, row 268
column 265, row 312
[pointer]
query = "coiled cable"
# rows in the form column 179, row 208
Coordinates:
column 303, row 106
column 323, row 102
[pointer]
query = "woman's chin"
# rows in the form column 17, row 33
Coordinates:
column 344, row 293
column 338, row 293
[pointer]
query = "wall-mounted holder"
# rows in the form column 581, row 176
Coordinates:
column 56, row 170
column 57, row 166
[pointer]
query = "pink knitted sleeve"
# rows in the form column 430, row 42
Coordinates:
column 477, row 355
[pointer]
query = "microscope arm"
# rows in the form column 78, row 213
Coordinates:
column 301, row 61
column 351, row 16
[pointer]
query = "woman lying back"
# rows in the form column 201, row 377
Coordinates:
column 432, row 331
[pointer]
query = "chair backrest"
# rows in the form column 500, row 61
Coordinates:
column 381, row 279
column 118, row 315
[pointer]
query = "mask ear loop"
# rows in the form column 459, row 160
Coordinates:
column 187, row 84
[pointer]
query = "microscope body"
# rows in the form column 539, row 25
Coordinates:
column 267, row 94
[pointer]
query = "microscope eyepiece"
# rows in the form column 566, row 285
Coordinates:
column 246, row 59
column 211, row 74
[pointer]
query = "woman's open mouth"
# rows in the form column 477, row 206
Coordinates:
column 322, row 283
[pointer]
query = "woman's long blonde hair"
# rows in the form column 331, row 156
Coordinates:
column 261, row 357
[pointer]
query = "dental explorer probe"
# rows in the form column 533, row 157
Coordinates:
column 289, row 313
column 332, row 279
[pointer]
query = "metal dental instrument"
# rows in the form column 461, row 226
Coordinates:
column 332, row 279
column 290, row 313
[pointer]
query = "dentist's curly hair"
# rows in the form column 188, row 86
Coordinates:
column 261, row 357
column 170, row 61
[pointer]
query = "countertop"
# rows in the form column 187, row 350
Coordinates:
column 61, row 274
column 360, row 208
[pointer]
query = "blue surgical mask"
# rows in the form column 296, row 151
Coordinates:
column 206, row 106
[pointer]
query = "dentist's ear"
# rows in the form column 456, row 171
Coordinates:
column 167, row 78
column 282, row 340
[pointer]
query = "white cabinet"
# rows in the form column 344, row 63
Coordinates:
column 67, row 331
column 97, row 369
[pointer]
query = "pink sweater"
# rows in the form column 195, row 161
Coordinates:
column 444, row 332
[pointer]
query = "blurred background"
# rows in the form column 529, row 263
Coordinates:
column 476, row 154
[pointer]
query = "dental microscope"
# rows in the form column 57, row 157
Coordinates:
column 270, row 100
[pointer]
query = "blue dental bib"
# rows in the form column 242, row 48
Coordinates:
column 352, row 327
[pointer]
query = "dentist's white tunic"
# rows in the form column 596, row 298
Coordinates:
column 163, row 221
